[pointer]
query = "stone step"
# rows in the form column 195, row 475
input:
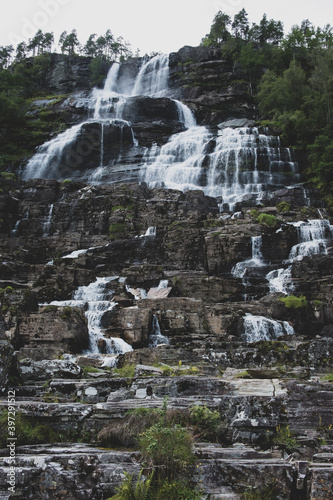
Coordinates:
column 323, row 458
column 237, row 452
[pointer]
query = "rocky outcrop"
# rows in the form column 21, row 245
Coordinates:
column 70, row 73
column 210, row 86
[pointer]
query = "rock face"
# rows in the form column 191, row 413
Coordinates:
column 92, row 276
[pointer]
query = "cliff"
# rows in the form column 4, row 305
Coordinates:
column 131, row 288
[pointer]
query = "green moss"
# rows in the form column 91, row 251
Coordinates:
column 293, row 302
column 283, row 207
column 125, row 371
column 116, row 230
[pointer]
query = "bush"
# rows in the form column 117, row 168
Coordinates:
column 125, row 432
column 293, row 302
column 205, row 420
column 169, row 449
column 267, row 219
column 176, row 490
column 283, row 207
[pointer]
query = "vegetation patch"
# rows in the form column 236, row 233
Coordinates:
column 293, row 302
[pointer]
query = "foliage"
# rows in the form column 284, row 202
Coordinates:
column 29, row 432
column 328, row 377
column 129, row 490
column 206, row 421
column 266, row 492
column 125, row 371
column 285, row 438
column 116, row 230
column 293, row 302
column 283, row 207
column 267, row 219
column 167, row 448
column 176, row 489
column 125, row 432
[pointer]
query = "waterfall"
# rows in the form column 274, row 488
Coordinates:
column 280, row 280
column 47, row 225
column 232, row 164
column 225, row 166
column 152, row 79
column 312, row 237
column 96, row 299
column 258, row 328
column 240, row 269
column 156, row 338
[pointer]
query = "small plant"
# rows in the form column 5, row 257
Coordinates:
column 8, row 175
column 206, row 421
column 285, row 438
column 176, row 489
column 293, row 302
column 328, row 377
column 269, row 492
column 243, row 374
column 66, row 313
column 254, row 213
column 283, row 207
column 129, row 490
column 90, row 369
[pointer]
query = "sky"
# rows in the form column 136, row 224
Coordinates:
column 148, row 25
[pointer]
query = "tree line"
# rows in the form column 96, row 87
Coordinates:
column 291, row 79
column 106, row 46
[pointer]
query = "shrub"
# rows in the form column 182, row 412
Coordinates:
column 115, row 230
column 125, row 432
column 169, row 449
column 283, row 207
column 176, row 490
column 267, row 219
column 205, row 420
column 293, row 302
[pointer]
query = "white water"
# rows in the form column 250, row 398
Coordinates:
column 152, row 79
column 240, row 269
column 156, row 338
column 231, row 165
column 96, row 299
column 280, row 280
column 261, row 328
column 312, row 237
column 229, row 172
column 47, row 224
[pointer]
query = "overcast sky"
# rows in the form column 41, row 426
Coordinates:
column 149, row 25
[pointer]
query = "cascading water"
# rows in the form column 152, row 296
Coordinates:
column 231, row 165
column 258, row 328
column 240, row 269
column 312, row 237
column 229, row 172
column 96, row 298
column 153, row 76
column 156, row 338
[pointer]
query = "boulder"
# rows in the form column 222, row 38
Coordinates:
column 44, row 370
